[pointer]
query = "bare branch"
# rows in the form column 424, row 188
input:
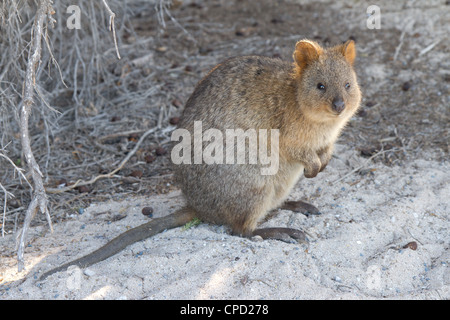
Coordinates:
column 39, row 200
column 112, row 15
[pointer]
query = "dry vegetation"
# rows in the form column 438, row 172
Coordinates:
column 101, row 126
column 78, row 80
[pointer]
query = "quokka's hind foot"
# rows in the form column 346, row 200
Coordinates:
column 288, row 235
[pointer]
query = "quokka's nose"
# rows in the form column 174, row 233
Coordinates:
column 338, row 105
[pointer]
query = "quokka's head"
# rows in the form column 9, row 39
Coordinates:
column 326, row 81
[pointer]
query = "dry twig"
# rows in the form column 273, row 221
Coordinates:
column 112, row 15
column 402, row 36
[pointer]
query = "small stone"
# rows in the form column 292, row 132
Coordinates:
column 411, row 245
column 89, row 272
column 406, row 86
column 239, row 33
column 147, row 211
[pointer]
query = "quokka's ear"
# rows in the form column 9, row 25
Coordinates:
column 348, row 50
column 306, row 51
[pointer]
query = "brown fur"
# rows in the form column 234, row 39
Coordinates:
column 256, row 92
column 259, row 92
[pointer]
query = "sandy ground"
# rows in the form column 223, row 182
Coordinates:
column 356, row 249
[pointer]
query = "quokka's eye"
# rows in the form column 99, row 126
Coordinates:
column 320, row 86
column 347, row 86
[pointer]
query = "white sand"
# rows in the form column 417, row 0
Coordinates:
column 355, row 249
